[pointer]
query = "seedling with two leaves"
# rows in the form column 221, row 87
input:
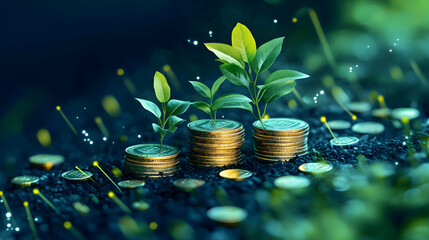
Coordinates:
column 230, row 100
column 243, row 63
column 167, row 115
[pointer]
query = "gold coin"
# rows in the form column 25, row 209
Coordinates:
column 148, row 159
column 273, row 150
column 188, row 184
column 75, row 175
column 216, row 153
column 219, row 136
column 215, row 164
column 131, row 184
column 236, row 174
column 24, row 181
column 227, row 215
column 46, row 161
column 292, row 182
column 260, row 132
column 152, row 163
column 140, row 206
column 216, row 146
column 317, row 167
column 216, row 141
column 279, row 138
column 224, row 159
column 223, row 126
column 146, row 169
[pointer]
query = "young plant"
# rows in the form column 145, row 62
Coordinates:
column 243, row 63
column 230, row 100
column 170, row 108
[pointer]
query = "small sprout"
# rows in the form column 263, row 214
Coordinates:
column 231, row 100
column 170, row 108
column 244, row 52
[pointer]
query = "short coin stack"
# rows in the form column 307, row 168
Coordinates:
column 281, row 139
column 146, row 160
column 215, row 146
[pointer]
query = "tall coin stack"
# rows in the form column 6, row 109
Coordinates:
column 281, row 140
column 215, row 146
column 146, row 160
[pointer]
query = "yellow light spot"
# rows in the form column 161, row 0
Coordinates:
column 44, row 137
column 153, row 226
column 266, row 116
column 354, row 117
column 1, row 193
column 25, row 204
column 36, row 191
column 58, row 108
column 117, row 172
column 328, row 81
column 292, row 103
column 405, row 120
column 120, row 72
column 67, row 225
column 166, row 68
column 193, row 117
column 111, row 106
column 98, row 120
column 294, row 20
column 111, row 194
column 380, row 98
column 323, row 119
column 396, row 73
column 95, row 163
column 123, row 138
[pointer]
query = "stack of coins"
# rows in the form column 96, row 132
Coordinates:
column 215, row 146
column 146, row 160
column 281, row 139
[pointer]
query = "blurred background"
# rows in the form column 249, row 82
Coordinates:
column 68, row 53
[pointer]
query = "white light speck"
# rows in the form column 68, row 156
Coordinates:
column 105, row 138
column 17, row 229
column 275, row 21
column 84, row 140
column 139, row 136
column 390, row 50
column 315, row 101
column 86, row 134
column 397, row 39
column 77, row 117
column 195, row 42
column 210, row 32
column 91, row 142
column 351, row 68
column 36, row 219
column 394, row 44
column 113, row 142
column 357, row 65
column 9, row 225
column 8, row 214
column 83, row 131
column 198, row 77
column 406, row 137
column 396, row 163
column 367, row 46
column 404, row 143
column 315, row 98
column 317, row 95
column 84, row 108
column 223, row 116
column 322, row 92
column 189, row 40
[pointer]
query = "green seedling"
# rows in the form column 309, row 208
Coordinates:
column 230, row 100
column 242, row 63
column 167, row 117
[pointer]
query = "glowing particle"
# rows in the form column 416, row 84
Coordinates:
column 17, row 229
column 120, row 72
column 315, row 101
column 357, row 65
column 210, row 32
column 153, row 226
column 390, row 50
column 189, row 40
column 396, row 163
column 104, row 138
column 275, row 21
column 8, row 214
column 315, row 98
column 91, row 142
column 294, row 20
column 9, row 225
column 195, row 42
column 198, row 77
column 394, row 44
column 397, row 39
column 83, row 131
column 86, row 134
column 322, row 92
column 77, row 117
column 139, row 136
column 367, row 46
column 404, row 143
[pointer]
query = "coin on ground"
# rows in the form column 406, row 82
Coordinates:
column 381, row 112
column 228, row 215
column 368, row 128
column 292, row 182
column 188, row 184
column 24, row 181
column 131, row 184
column 410, row 113
column 237, row 174
column 140, row 206
column 359, row 106
column 315, row 167
column 76, row 175
column 46, row 161
column 339, row 124
column 344, row 141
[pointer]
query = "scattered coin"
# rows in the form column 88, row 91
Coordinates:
column 146, row 160
column 339, row 124
column 315, row 167
column 236, row 174
column 227, row 215
column 46, row 161
column 292, row 182
column 410, row 113
column 75, row 175
column 81, row 208
column 359, row 107
column 381, row 112
column 140, row 206
column 368, row 128
column 280, row 139
column 215, row 146
column 188, row 184
column 344, row 141
column 24, row 181
column 131, row 184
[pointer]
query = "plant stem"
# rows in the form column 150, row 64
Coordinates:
column 162, row 138
column 257, row 101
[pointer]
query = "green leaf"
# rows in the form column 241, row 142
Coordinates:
column 235, row 74
column 243, row 41
column 205, row 107
column 162, row 90
column 217, row 84
column 201, row 88
column 150, row 106
column 156, row 128
column 266, row 54
column 177, row 107
column 282, row 76
column 228, row 99
column 174, row 121
column 171, row 130
column 226, row 53
column 242, row 105
column 278, row 90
